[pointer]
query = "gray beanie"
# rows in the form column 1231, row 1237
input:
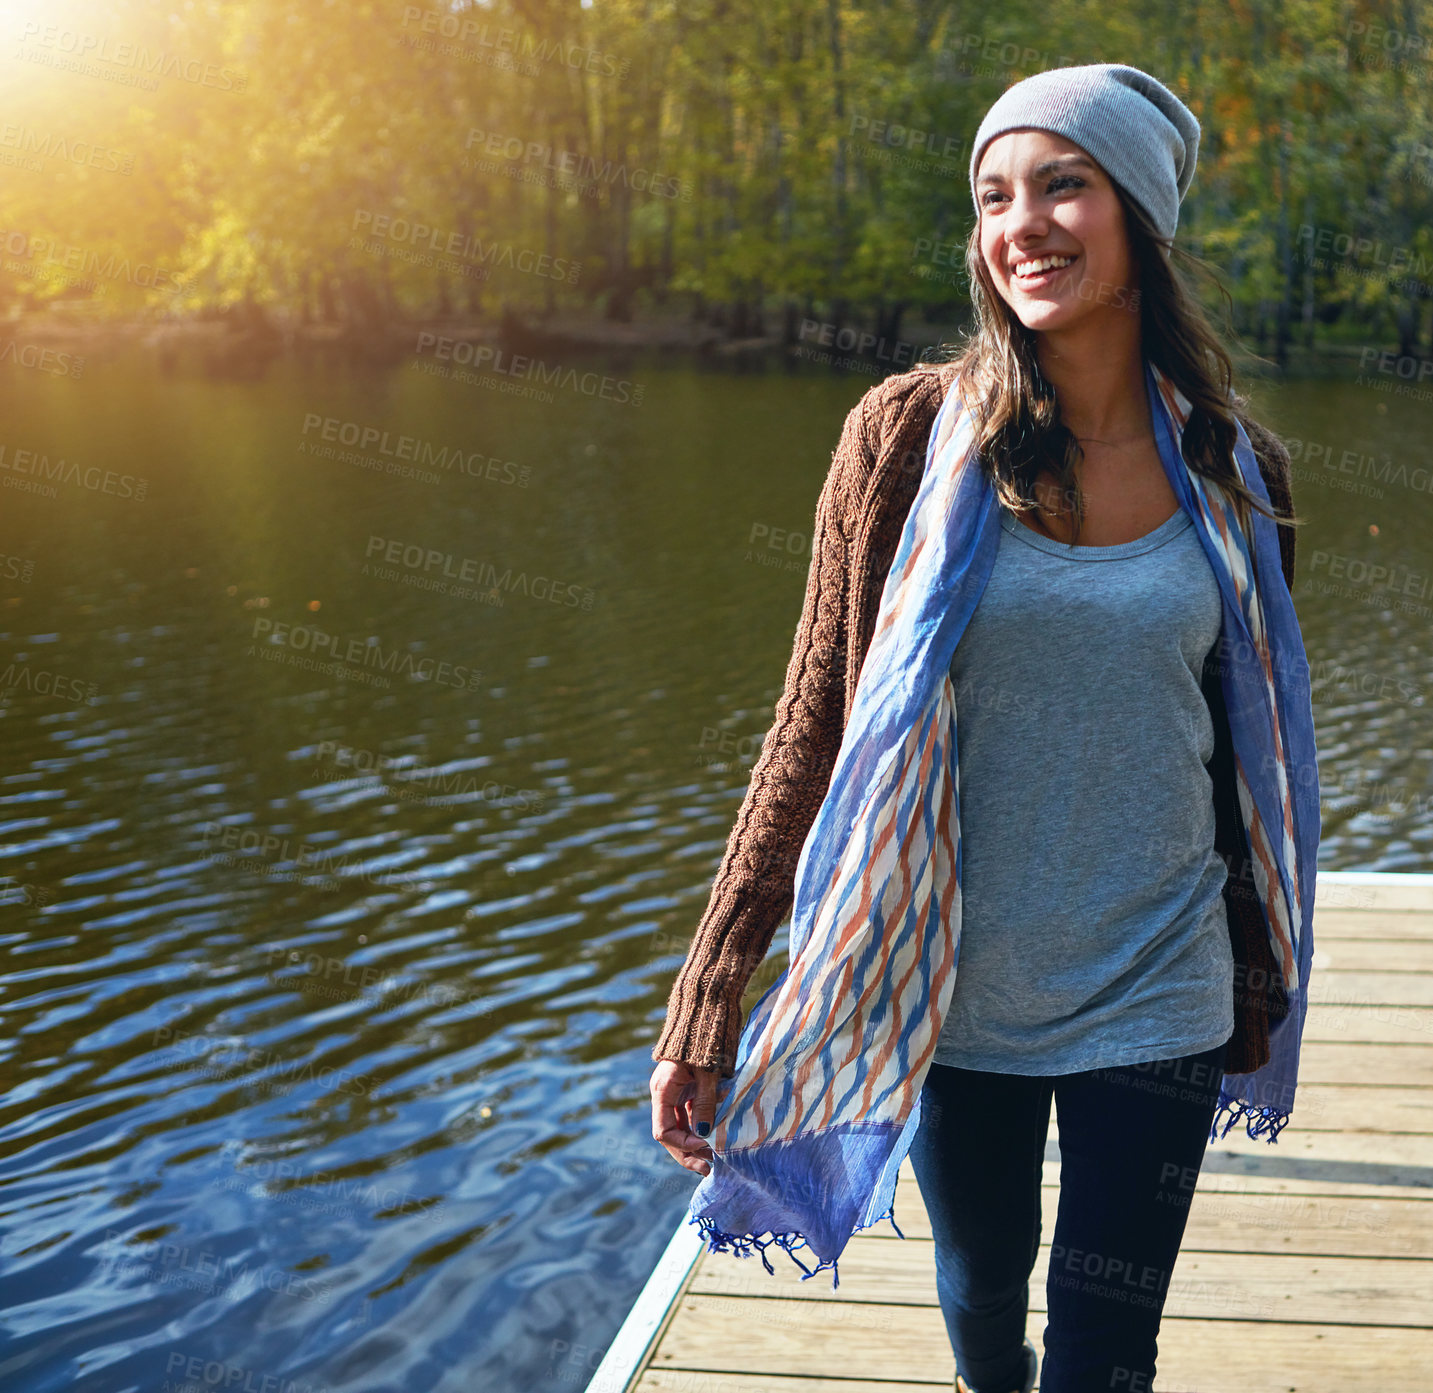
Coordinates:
column 1139, row 132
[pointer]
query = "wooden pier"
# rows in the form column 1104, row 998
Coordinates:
column 1307, row 1265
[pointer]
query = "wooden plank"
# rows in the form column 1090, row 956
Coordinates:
column 1262, row 1286
column 1307, row 1135
column 1349, row 1108
column 1233, row 1183
column 1402, row 955
column 1330, row 985
column 1362, row 1062
column 1386, row 1158
column 728, row 1337
column 1388, row 1025
column 1373, row 923
column 1252, row 1222
column 1227, row 1175
column 1317, row 1252
column 1381, row 1150
column 687, row 1381
column 1383, row 891
column 1337, row 1108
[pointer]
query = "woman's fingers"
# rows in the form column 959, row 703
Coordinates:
column 703, row 1107
column 670, row 1086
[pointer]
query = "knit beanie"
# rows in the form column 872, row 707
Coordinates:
column 1138, row 131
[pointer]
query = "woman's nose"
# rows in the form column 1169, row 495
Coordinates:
column 1024, row 220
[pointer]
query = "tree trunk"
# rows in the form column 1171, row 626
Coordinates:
column 619, row 303
column 1284, row 318
column 838, row 172
column 1406, row 317
column 791, row 323
column 549, row 302
column 888, row 321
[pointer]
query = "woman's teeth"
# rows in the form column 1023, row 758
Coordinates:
column 1045, row 263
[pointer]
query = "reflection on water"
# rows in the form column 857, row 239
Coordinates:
column 371, row 743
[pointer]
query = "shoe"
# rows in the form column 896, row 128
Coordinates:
column 1032, row 1367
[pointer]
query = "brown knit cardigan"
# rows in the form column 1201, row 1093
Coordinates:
column 874, row 476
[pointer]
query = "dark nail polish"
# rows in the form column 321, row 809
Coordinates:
column 703, row 1128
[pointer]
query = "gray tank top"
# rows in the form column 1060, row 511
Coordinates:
column 1093, row 929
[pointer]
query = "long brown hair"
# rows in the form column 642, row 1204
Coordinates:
column 1019, row 432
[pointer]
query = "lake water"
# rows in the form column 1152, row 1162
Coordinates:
column 356, row 822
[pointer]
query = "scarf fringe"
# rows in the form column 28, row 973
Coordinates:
column 742, row 1244
column 1264, row 1122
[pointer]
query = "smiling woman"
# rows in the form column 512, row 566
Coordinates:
column 1070, row 266
column 1058, row 211
column 1077, row 175
column 1077, row 915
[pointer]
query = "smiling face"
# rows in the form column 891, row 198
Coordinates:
column 1043, row 197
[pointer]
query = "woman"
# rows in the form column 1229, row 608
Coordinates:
column 1113, row 953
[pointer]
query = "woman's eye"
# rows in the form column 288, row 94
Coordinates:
column 1058, row 183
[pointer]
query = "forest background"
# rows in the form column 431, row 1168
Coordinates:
column 343, row 169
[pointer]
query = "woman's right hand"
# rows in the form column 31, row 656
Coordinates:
column 682, row 1097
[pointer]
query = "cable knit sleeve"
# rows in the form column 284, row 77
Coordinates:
column 755, row 885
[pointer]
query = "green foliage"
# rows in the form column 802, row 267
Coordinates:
column 765, row 153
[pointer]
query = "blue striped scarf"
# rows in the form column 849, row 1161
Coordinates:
column 811, row 1131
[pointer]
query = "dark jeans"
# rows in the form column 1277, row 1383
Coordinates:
column 1131, row 1143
